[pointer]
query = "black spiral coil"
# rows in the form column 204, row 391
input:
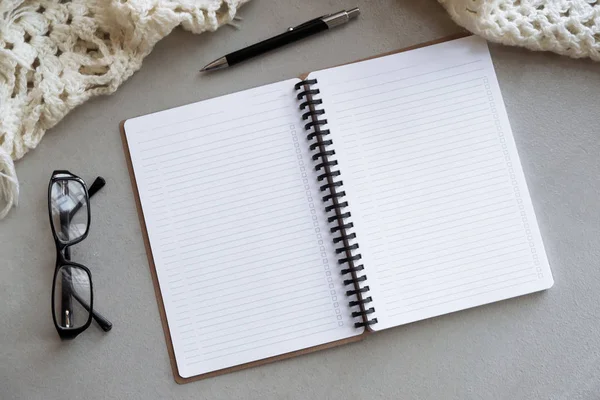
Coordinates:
column 336, row 207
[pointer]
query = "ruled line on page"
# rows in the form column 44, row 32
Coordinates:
column 443, row 157
column 430, row 121
column 436, row 235
column 448, row 298
column 442, row 217
column 512, row 285
column 197, row 276
column 194, row 199
column 217, row 124
column 309, row 284
column 413, row 85
column 224, row 287
column 246, row 264
column 253, row 325
column 330, row 327
column 247, row 199
column 465, row 144
column 387, row 155
column 236, row 178
column 267, row 337
column 435, row 246
column 455, row 94
column 408, row 287
column 197, row 216
column 193, row 254
column 214, row 227
column 403, row 189
column 371, row 76
column 291, row 302
column 236, row 215
column 399, row 271
column 181, row 122
column 322, row 302
column 227, row 187
column 494, row 243
column 281, row 238
column 441, row 254
column 181, row 152
column 386, row 83
column 192, row 160
column 239, row 229
column 455, row 163
column 409, row 135
column 231, row 137
column 196, row 118
column 255, row 268
column 372, row 118
column 431, row 171
column 231, row 142
column 503, row 217
column 298, row 322
column 424, row 195
column 277, row 99
column 448, row 266
column 238, row 201
column 368, row 107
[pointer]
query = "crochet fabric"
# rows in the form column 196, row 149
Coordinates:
column 568, row 27
column 56, row 54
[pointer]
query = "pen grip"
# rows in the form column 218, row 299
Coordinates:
column 291, row 36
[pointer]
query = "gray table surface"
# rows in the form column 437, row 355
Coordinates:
column 542, row 346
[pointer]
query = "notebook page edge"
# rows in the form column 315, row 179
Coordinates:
column 549, row 277
column 148, row 249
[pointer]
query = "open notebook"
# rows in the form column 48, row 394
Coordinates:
column 307, row 213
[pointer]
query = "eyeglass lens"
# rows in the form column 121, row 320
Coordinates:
column 69, row 209
column 72, row 297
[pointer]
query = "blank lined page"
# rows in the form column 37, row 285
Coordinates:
column 439, row 201
column 237, row 230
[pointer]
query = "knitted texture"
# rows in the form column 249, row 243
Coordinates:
column 568, row 27
column 56, row 54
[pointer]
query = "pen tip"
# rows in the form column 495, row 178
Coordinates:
column 217, row 64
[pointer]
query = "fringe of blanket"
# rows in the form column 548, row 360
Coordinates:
column 10, row 10
column 9, row 185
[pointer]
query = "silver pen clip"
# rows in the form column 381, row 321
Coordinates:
column 291, row 28
column 332, row 20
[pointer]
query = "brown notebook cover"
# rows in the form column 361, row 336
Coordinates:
column 159, row 299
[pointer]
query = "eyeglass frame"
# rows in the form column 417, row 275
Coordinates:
column 63, row 255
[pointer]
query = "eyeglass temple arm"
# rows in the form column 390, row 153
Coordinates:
column 105, row 324
column 66, row 300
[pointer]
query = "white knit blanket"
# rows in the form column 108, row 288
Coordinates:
column 56, row 54
column 568, row 27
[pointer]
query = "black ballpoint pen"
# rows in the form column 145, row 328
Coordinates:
column 291, row 35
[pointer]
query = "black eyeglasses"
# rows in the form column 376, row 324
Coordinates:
column 72, row 295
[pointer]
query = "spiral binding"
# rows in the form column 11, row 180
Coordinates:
column 336, row 208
